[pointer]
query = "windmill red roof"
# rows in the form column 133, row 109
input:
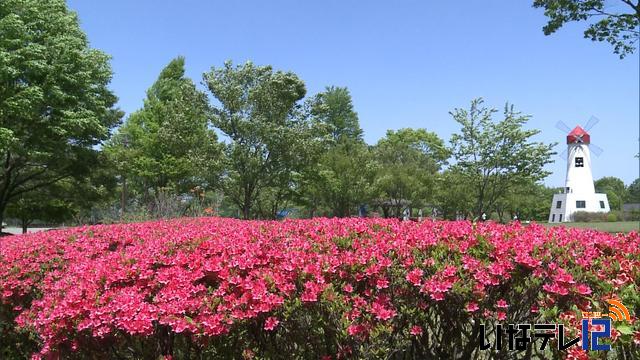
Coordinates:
column 578, row 136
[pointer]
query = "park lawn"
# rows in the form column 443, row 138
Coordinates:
column 611, row 227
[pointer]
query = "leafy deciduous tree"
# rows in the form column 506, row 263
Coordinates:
column 268, row 138
column 493, row 157
column 618, row 28
column 615, row 190
column 169, row 143
column 634, row 191
column 409, row 161
column 55, row 106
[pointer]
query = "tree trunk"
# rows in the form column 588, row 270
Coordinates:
column 25, row 226
column 245, row 211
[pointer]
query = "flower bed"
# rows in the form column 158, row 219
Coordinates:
column 333, row 288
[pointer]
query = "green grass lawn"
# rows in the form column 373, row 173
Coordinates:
column 612, row 227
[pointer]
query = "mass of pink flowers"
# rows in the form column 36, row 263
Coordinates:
column 319, row 288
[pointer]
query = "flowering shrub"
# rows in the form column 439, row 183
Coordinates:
column 320, row 288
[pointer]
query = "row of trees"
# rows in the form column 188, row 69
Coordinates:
column 281, row 150
column 252, row 145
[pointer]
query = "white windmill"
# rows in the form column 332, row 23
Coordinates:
column 578, row 194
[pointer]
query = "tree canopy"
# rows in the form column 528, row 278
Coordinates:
column 55, row 105
column 258, row 111
column 409, row 162
column 608, row 22
column 615, row 190
column 494, row 157
column 169, row 143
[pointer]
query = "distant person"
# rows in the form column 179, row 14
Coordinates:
column 484, row 217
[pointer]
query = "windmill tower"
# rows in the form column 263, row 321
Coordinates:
column 578, row 194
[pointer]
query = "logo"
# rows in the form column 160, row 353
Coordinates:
column 595, row 326
column 617, row 311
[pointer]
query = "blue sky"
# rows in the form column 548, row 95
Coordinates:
column 406, row 63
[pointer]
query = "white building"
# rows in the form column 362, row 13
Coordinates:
column 579, row 193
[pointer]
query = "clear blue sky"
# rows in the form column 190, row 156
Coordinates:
column 406, row 63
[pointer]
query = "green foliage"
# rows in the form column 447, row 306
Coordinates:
column 341, row 178
column 41, row 204
column 527, row 200
column 607, row 23
column 168, row 144
column 345, row 176
column 55, row 106
column 615, row 190
column 586, row 216
column 269, row 140
column 334, row 108
column 492, row 158
column 408, row 164
column 452, row 195
column 633, row 191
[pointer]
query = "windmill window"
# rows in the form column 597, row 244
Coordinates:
column 558, row 204
column 553, row 217
column 579, row 162
column 581, row 204
column 601, row 204
column 560, row 218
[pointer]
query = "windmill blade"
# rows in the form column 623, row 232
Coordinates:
column 591, row 123
column 563, row 155
column 563, row 127
column 597, row 150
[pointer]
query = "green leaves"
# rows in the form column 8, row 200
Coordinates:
column 618, row 28
column 408, row 164
column 493, row 157
column 615, row 190
column 269, row 138
column 55, row 106
column 169, row 143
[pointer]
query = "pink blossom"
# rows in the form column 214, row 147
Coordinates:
column 472, row 307
column 271, row 323
column 415, row 276
column 416, row 330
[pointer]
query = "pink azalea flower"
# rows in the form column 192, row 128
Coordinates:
column 416, row 330
column 472, row 307
column 271, row 323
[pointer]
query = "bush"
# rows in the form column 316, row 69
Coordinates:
column 340, row 288
column 585, row 216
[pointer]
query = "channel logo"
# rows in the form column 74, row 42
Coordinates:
column 617, row 311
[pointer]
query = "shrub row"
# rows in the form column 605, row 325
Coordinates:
column 320, row 288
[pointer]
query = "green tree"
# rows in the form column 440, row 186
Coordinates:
column 268, row 138
column 345, row 176
column 607, row 22
column 633, row 191
column 615, row 190
column 453, row 197
column 528, row 200
column 494, row 157
column 334, row 108
column 168, row 145
column 70, row 199
column 55, row 106
column 341, row 178
column 47, row 204
column 408, row 164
